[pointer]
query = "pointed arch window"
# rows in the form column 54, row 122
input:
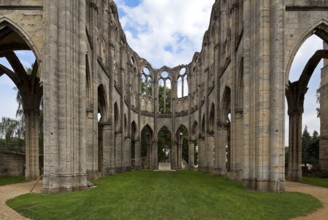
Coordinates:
column 146, row 82
column 183, row 89
column 164, row 93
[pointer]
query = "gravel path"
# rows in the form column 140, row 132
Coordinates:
column 11, row 191
column 320, row 193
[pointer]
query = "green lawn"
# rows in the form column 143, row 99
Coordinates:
column 315, row 181
column 5, row 180
column 165, row 195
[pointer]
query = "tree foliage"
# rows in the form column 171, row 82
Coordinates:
column 11, row 135
column 310, row 147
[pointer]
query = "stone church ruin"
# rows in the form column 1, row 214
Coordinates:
column 104, row 105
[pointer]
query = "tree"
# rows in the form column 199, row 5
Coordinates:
column 306, row 140
column 11, row 135
column 310, row 147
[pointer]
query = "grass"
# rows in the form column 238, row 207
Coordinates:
column 5, row 180
column 316, row 181
column 165, row 195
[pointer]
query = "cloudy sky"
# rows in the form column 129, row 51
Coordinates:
column 168, row 32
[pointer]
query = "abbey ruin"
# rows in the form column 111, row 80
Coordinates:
column 100, row 98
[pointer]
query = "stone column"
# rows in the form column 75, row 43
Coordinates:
column 137, row 153
column 64, row 68
column 118, row 152
column 220, row 151
column 202, row 154
column 154, row 165
column 191, row 155
column 238, row 145
column 295, row 147
column 323, row 145
column 210, row 152
column 127, row 154
column 32, row 120
column 174, row 156
column 149, row 151
column 179, row 152
column 295, row 99
column 108, row 151
column 91, row 156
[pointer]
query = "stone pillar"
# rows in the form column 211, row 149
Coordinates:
column 154, row 164
column 220, row 151
column 32, row 120
column 174, row 156
column 118, row 152
column 202, row 162
column 191, row 155
column 295, row 99
column 323, row 146
column 91, row 155
column 237, row 148
column 149, row 152
column 127, row 155
column 64, row 68
column 179, row 152
column 108, row 150
column 137, row 153
column 295, row 147
column 210, row 153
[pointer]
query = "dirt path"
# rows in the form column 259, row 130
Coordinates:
column 11, row 191
column 316, row 191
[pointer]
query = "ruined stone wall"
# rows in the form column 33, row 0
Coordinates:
column 12, row 164
column 93, row 99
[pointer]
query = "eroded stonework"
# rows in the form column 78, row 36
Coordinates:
column 99, row 95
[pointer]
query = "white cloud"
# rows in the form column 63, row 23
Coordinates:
column 166, row 32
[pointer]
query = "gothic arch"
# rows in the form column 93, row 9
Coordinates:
column 5, row 22
column 102, row 103
column 117, row 118
column 147, row 136
column 240, row 87
column 320, row 28
column 88, row 82
column 225, row 104
column 13, row 38
column 134, row 130
column 164, row 144
column 211, row 121
column 194, row 130
column 182, row 137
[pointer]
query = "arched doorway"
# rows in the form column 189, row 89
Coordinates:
column 14, row 43
column 193, row 146
column 304, row 81
column 146, row 147
column 133, row 144
column 182, row 137
column 102, row 111
column 164, row 153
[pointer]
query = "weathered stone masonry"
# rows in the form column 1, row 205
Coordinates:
column 95, row 105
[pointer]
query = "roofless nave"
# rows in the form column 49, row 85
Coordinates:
column 233, row 109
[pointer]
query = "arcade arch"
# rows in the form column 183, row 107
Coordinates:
column 295, row 95
column 12, row 42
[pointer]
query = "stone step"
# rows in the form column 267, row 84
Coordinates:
column 164, row 166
